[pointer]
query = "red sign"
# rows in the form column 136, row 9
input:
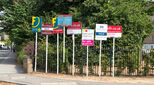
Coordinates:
column 114, row 31
column 58, row 31
column 47, row 29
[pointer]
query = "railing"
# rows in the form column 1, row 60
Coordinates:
column 128, row 61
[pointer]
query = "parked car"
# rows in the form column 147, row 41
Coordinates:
column 3, row 46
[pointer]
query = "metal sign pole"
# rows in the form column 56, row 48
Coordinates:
column 46, row 65
column 100, row 58
column 87, row 62
column 73, row 53
column 113, row 55
column 35, row 53
column 64, row 44
column 57, row 53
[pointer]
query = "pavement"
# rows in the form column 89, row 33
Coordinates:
column 8, row 63
column 11, row 72
column 36, row 80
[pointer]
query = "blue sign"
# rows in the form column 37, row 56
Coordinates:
column 36, row 24
column 101, row 33
column 55, row 23
column 64, row 21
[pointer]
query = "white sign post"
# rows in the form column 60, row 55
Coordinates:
column 64, row 44
column 35, row 53
column 101, row 34
column 87, row 63
column 87, row 40
column 64, row 20
column 75, row 28
column 100, row 58
column 36, row 27
column 57, row 53
column 114, row 32
column 46, row 65
column 113, row 55
column 73, row 53
column 57, row 30
column 47, row 29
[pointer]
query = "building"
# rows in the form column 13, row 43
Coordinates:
column 148, row 43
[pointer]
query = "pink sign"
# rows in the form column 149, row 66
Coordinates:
column 114, row 31
column 88, row 42
column 88, row 37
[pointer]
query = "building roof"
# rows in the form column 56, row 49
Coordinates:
column 150, row 39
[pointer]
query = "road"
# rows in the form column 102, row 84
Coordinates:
column 11, row 72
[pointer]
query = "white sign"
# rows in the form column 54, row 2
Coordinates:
column 101, row 31
column 87, row 34
column 74, row 31
column 88, row 37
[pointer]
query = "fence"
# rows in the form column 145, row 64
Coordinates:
column 128, row 61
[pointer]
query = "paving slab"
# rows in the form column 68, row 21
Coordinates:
column 8, row 63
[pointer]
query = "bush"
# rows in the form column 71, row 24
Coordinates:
column 20, row 56
column 147, row 65
column 2, row 36
column 152, row 55
column 52, row 57
column 104, row 63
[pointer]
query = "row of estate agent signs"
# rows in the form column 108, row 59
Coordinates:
column 102, row 32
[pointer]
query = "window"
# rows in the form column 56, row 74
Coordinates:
column 152, row 18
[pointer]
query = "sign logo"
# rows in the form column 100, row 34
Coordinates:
column 101, row 26
column 55, row 23
column 36, row 24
